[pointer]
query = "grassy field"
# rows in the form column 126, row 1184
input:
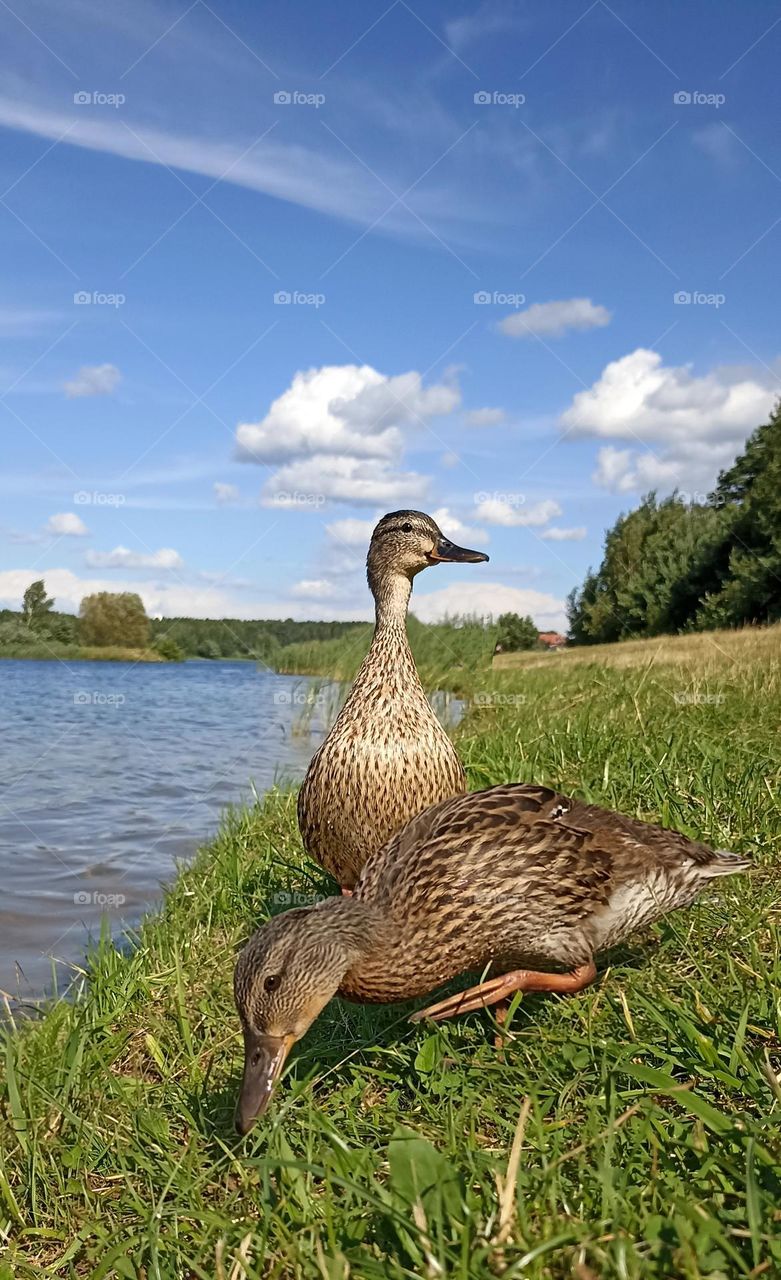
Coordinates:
column 631, row 1131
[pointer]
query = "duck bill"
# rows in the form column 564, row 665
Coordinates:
column 447, row 552
column 264, row 1058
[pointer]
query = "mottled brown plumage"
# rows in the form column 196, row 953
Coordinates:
column 513, row 879
column 387, row 757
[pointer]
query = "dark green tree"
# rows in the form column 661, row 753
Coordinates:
column 36, row 605
column 515, row 632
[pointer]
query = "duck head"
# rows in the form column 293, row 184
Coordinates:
column 404, row 542
column 284, row 977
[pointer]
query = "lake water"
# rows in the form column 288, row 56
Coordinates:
column 111, row 772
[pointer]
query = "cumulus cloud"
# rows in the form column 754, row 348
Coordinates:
column 697, row 422
column 485, row 417
column 66, row 525
column 552, row 319
column 351, row 533
column 226, row 493
column 124, row 558
column 93, row 380
column 557, row 534
column 453, row 527
column 311, row 482
column 490, row 599
column 501, row 511
column 339, row 431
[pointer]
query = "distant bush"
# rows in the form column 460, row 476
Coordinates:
column 14, row 633
column 167, row 647
column 114, row 618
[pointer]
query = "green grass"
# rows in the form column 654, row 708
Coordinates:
column 449, row 655
column 648, row 1107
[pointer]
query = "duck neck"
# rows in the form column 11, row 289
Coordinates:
column 391, row 597
column 389, row 654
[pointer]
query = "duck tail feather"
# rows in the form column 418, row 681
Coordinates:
column 726, row 863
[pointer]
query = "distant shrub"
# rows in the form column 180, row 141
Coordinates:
column 167, row 647
column 14, row 633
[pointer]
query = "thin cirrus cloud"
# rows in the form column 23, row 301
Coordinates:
column 337, row 434
column 226, row 494
column 553, row 319
column 558, row 534
column 690, row 424
column 93, row 380
column 485, row 417
column 298, row 174
column 124, row 558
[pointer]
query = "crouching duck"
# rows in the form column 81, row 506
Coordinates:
column 387, row 757
column 512, row 879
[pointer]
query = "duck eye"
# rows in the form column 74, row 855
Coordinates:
column 406, row 528
column 272, row 982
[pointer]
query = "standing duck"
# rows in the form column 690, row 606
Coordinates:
column 512, row 879
column 387, row 757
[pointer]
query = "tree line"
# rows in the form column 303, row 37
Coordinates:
column 674, row 565
column 119, row 619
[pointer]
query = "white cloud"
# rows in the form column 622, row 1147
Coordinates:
column 450, row 460
column 316, row 589
column 342, row 410
column 93, row 380
column 552, row 319
column 557, row 534
column 124, row 558
column 66, row 525
column 226, row 493
column 351, row 533
column 502, row 512
column 489, row 599
column 338, row 434
column 21, row 322
column 485, row 417
column 311, row 482
column 487, row 19
column 453, row 527
column 697, row 422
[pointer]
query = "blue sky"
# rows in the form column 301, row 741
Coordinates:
column 511, row 263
